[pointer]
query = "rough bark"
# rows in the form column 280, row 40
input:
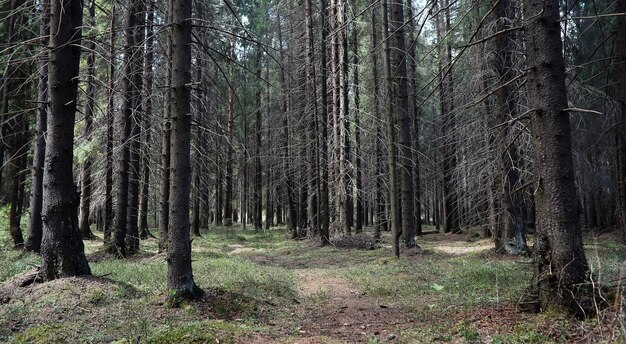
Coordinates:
column 405, row 156
column 109, row 216
column 560, row 264
column 323, row 162
column 33, row 243
column 391, row 135
column 620, row 91
column 180, row 281
column 85, row 194
column 146, row 133
column 62, row 249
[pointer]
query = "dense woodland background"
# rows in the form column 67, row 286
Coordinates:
column 132, row 120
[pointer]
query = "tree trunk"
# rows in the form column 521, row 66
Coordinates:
column 391, row 136
column 144, row 232
column 85, row 195
column 559, row 258
column 108, row 193
column 451, row 214
column 358, row 226
column 180, row 281
column 415, row 123
column 164, row 194
column 62, row 249
column 620, row 91
column 258, row 172
column 402, row 110
column 311, row 113
column 33, row 243
column 323, row 161
column 379, row 202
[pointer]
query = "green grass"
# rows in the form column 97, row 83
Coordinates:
column 251, row 281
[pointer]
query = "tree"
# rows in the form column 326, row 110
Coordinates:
column 401, row 109
column 179, row 274
column 33, row 243
column 560, row 265
column 620, row 46
column 62, row 249
column 85, row 194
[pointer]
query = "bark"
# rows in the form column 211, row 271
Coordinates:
column 33, row 243
column 62, row 249
column 108, row 193
column 415, row 122
column 451, row 214
column 358, row 226
column 228, row 192
column 620, row 91
column 311, row 113
column 164, row 192
column 405, row 156
column 258, row 172
column 323, row 161
column 136, row 61
column 85, row 194
column 511, row 239
column 391, row 153
column 180, row 281
column 379, row 202
column 144, row 232
column 560, row 264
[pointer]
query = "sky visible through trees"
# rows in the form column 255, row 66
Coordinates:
column 349, row 124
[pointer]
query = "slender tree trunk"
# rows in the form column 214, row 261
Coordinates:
column 379, row 203
column 85, row 195
column 164, row 194
column 180, row 281
column 620, row 92
column 415, row 123
column 451, row 215
column 391, row 136
column 146, row 140
column 402, row 109
column 358, row 226
column 311, row 113
column 132, row 217
column 323, row 161
column 258, row 172
column 33, row 243
column 228, row 193
column 559, row 258
column 62, row 249
column 108, row 193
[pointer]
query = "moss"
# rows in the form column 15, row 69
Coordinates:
column 44, row 334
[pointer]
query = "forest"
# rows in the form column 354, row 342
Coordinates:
column 312, row 171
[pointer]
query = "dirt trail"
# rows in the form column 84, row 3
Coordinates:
column 332, row 307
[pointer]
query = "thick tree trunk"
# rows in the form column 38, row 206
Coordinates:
column 62, row 249
column 559, row 258
column 180, row 281
column 85, row 195
column 33, row 243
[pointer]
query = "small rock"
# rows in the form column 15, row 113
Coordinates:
column 362, row 327
column 302, row 332
column 391, row 337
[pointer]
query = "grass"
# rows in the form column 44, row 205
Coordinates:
column 252, row 282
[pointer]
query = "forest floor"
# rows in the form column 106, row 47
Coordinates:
column 265, row 288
